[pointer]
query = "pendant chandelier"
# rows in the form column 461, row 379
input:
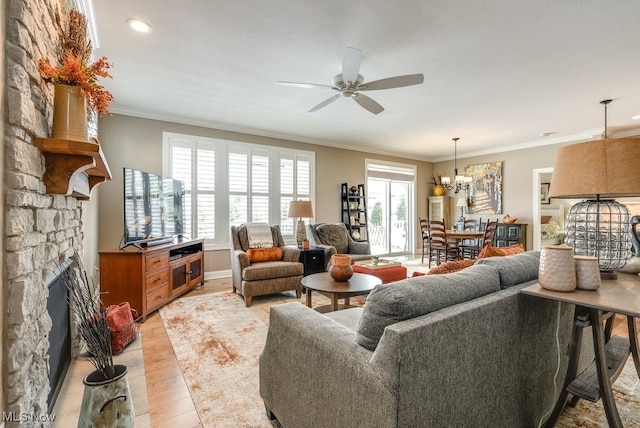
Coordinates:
column 460, row 181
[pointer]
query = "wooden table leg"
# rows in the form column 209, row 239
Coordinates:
column 347, row 301
column 633, row 341
column 334, row 301
column 308, row 297
column 572, row 370
column 613, row 418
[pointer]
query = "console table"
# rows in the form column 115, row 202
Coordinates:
column 593, row 308
column 150, row 277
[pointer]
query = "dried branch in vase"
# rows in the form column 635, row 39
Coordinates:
column 91, row 317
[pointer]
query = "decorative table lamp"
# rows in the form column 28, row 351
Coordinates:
column 594, row 170
column 300, row 209
column 462, row 204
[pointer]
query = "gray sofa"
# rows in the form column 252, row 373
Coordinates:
column 464, row 349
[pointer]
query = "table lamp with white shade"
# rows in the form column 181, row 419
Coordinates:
column 462, row 204
column 300, row 210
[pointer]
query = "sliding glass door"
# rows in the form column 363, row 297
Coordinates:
column 391, row 208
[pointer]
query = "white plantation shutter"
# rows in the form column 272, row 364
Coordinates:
column 229, row 183
column 206, row 185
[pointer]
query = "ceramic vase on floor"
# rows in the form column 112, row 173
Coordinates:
column 69, row 113
column 340, row 267
column 557, row 270
column 107, row 403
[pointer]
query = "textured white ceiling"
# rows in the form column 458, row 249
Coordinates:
column 498, row 73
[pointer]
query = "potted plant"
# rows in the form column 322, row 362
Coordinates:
column 438, row 188
column 75, row 82
column 107, row 399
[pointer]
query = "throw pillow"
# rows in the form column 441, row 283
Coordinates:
column 264, row 254
column 491, row 251
column 451, row 266
column 416, row 273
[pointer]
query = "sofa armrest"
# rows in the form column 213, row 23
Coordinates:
column 310, row 358
column 290, row 254
column 239, row 261
column 359, row 247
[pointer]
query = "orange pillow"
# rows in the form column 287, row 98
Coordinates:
column 452, row 266
column 264, row 254
column 491, row 251
column 416, row 273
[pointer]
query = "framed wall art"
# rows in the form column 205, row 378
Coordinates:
column 485, row 189
column 544, row 193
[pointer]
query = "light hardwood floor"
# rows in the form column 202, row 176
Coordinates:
column 170, row 403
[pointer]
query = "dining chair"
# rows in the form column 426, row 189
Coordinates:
column 472, row 225
column 487, row 239
column 424, row 233
column 439, row 246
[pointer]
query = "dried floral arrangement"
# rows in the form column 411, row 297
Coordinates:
column 76, row 69
column 91, row 317
column 436, row 180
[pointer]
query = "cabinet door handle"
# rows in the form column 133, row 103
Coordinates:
column 159, row 278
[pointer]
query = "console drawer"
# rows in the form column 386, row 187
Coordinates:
column 157, row 261
column 157, row 297
column 156, row 278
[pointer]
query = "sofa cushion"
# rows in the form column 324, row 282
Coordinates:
column 514, row 269
column 334, row 235
column 270, row 270
column 398, row 301
column 491, row 251
column 264, row 254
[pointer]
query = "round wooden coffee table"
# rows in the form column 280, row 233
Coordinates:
column 359, row 284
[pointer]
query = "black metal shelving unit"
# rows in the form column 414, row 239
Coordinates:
column 354, row 211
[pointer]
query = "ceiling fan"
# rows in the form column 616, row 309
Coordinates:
column 349, row 83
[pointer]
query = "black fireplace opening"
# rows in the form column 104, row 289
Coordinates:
column 60, row 335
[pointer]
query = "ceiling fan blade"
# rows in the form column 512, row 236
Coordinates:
column 325, row 103
column 368, row 103
column 351, row 64
column 393, row 82
column 304, row 85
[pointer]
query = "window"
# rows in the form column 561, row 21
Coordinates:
column 229, row 183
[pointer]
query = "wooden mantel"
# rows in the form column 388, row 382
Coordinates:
column 73, row 167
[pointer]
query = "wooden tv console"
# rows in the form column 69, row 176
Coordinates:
column 151, row 277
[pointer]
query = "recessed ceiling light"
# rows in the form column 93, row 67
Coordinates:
column 139, row 25
column 636, row 117
column 546, row 134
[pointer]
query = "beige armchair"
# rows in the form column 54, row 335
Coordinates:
column 258, row 278
column 335, row 239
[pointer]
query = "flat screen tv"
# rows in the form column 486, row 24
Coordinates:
column 153, row 207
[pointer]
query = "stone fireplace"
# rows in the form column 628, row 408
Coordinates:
column 41, row 231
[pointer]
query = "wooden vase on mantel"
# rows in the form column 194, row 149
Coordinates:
column 69, row 114
column 438, row 190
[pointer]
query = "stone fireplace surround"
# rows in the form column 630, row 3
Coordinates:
column 40, row 231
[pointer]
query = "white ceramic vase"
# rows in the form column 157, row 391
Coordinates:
column 587, row 272
column 557, row 270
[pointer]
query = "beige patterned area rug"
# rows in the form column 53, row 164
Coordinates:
column 217, row 342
